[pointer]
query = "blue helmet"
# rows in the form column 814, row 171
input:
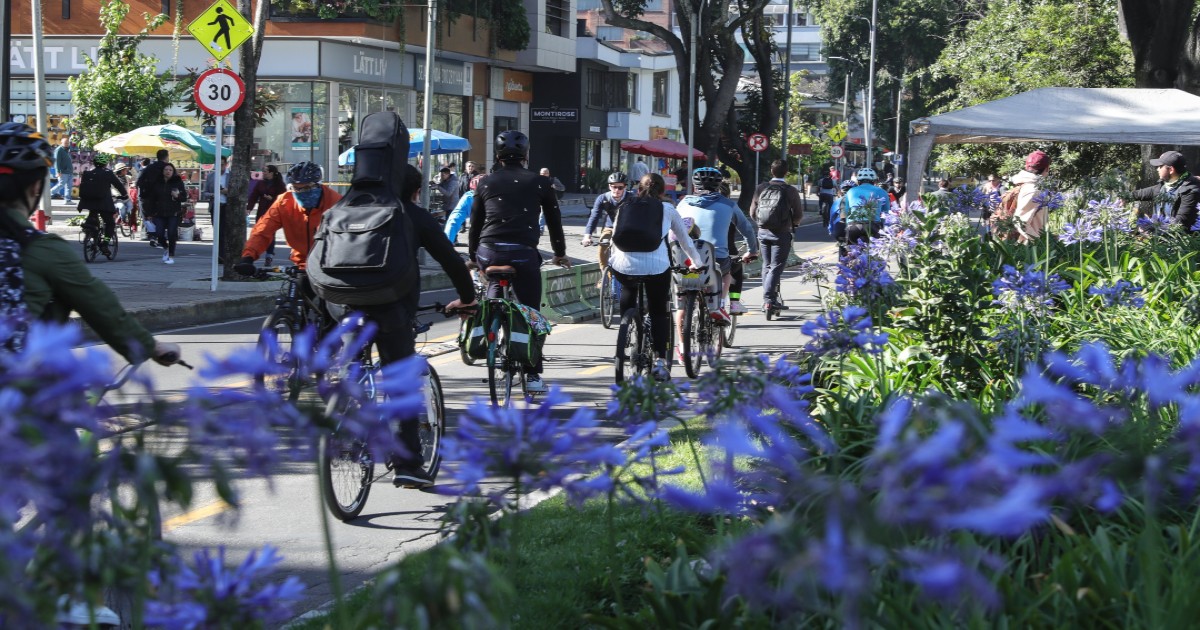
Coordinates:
column 707, row 178
column 304, row 173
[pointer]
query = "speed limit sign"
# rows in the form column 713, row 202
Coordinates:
column 836, row 151
column 219, row 92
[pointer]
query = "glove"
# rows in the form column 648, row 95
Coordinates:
column 245, row 266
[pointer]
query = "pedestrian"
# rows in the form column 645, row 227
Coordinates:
column 149, row 182
column 777, row 210
column 942, row 197
column 638, row 171
column 898, row 189
column 470, row 170
column 65, row 166
column 559, row 189
column 263, row 193
column 447, row 183
column 458, row 216
column 170, row 209
column 1177, row 191
column 1031, row 213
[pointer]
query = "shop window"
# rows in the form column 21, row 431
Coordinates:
column 558, row 17
column 661, row 80
column 616, row 91
column 503, row 123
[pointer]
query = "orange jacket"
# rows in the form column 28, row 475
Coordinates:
column 298, row 225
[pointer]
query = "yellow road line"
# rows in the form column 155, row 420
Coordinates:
column 593, row 370
column 438, row 340
column 198, row 514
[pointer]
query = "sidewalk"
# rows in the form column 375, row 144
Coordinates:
column 165, row 296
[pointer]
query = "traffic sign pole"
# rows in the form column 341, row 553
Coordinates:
column 216, row 202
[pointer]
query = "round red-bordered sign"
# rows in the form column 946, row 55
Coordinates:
column 219, row 92
column 757, row 142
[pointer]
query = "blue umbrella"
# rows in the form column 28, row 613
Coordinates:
column 440, row 142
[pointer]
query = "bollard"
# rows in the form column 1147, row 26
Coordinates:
column 39, row 220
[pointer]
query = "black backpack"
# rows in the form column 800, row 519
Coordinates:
column 638, row 226
column 365, row 252
column 95, row 184
column 772, row 212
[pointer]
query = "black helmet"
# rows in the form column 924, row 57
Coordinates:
column 617, row 177
column 22, row 148
column 707, row 178
column 512, row 145
column 304, row 173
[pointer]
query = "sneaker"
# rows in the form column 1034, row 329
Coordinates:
column 268, row 260
column 780, row 306
column 736, row 308
column 170, row 261
column 70, row 202
column 722, row 316
column 534, row 384
column 411, row 477
column 661, row 372
column 154, row 244
column 166, row 256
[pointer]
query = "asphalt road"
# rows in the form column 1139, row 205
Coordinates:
column 285, row 511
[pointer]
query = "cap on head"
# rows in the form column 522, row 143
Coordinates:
column 1174, row 159
column 1037, row 161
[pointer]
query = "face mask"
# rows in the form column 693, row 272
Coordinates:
column 308, row 199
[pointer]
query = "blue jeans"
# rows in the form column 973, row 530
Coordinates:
column 64, row 185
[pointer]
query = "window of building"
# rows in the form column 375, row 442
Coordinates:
column 595, row 88
column 806, row 52
column 632, row 92
column 660, row 93
column 558, row 17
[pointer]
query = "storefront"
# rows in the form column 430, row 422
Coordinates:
column 511, row 93
column 453, row 86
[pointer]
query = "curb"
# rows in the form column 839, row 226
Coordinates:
column 159, row 318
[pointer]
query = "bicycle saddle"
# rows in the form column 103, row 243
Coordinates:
column 501, row 272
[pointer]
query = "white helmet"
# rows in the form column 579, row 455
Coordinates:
column 866, row 175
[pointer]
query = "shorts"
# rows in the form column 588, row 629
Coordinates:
column 725, row 265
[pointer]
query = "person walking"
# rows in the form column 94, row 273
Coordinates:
column 148, row 184
column 458, row 217
column 65, row 166
column 638, row 171
column 263, row 193
column 1031, row 214
column 1177, row 192
column 170, row 210
column 470, row 171
column 777, row 209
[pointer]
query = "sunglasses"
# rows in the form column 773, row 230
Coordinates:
column 616, row 187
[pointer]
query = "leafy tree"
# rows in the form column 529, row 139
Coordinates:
column 121, row 89
column 719, row 64
column 1020, row 46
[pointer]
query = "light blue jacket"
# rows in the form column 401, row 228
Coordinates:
column 458, row 216
column 866, row 199
column 713, row 212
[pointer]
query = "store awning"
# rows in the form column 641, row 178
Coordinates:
column 663, row 148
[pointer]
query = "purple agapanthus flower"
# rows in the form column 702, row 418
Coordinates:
column 1109, row 215
column 1048, row 199
column 813, row 270
column 1157, row 224
column 1122, row 293
column 1081, row 231
column 840, row 332
column 948, row 578
column 1030, row 291
column 210, row 595
column 893, row 241
column 966, row 199
column 863, row 277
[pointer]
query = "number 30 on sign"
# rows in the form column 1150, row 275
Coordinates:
column 219, row 92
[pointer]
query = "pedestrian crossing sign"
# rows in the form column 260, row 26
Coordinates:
column 221, row 29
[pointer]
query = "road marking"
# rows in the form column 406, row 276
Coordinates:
column 198, row 514
column 438, row 340
column 593, row 370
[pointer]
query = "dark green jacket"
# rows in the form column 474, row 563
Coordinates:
column 58, row 282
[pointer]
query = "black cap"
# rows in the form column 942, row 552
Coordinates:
column 1173, row 159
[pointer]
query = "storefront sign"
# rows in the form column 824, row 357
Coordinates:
column 658, row 133
column 362, row 64
column 511, row 85
column 65, row 56
column 553, row 114
column 478, row 111
column 449, row 77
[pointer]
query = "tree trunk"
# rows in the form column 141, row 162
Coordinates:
column 234, row 211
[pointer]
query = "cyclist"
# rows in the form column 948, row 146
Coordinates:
column 458, row 217
column 52, row 280
column 863, row 207
column 606, row 207
column 394, row 335
column 95, row 196
column 298, row 211
column 653, row 269
column 504, row 226
column 713, row 213
column 737, row 275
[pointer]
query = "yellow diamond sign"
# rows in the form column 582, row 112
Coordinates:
column 221, row 29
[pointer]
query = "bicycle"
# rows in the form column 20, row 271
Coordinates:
column 479, row 289
column 502, row 371
column 702, row 337
column 94, row 242
column 610, row 294
column 293, row 313
column 127, row 223
column 635, row 342
column 347, row 465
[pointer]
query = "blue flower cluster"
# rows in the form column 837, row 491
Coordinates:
column 1122, row 293
column 966, row 199
column 863, row 277
column 1157, row 224
column 1029, row 291
column 837, row 333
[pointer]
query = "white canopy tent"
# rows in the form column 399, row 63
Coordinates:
column 1105, row 115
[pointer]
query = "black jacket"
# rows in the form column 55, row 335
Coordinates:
column 150, row 184
column 168, row 205
column 507, row 207
column 105, row 201
column 1183, row 206
column 431, row 237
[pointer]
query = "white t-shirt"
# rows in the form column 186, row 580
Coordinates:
column 657, row 261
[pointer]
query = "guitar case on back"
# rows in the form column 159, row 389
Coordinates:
column 364, row 252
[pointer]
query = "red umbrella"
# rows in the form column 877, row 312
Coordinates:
column 661, row 148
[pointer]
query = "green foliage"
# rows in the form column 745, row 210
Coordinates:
column 506, row 19
column 381, row 10
column 1019, row 46
column 121, row 90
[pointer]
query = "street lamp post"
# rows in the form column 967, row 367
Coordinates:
column 845, row 98
column 691, row 110
column 871, row 86
column 787, row 87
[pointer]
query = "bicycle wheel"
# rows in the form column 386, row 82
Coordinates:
column 288, row 379
column 462, row 351
column 608, row 305
column 90, row 247
column 432, row 424
column 347, row 469
column 123, row 227
column 730, row 331
column 712, row 340
column 628, row 337
column 693, row 324
column 111, row 252
column 500, row 376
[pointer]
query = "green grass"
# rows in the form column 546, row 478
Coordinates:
column 559, row 571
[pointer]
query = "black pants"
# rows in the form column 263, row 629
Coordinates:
column 394, row 341
column 528, row 281
column 736, row 274
column 826, row 206
column 775, row 254
column 95, row 216
column 658, row 294
column 861, row 231
column 168, row 233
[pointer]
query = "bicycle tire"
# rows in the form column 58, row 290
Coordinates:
column 348, row 471
column 123, row 228
column 608, row 306
column 111, row 253
column 499, row 376
column 627, row 342
column 730, row 331
column 462, row 350
column 693, row 313
column 432, row 424
column 289, row 382
column 90, row 248
column 713, row 340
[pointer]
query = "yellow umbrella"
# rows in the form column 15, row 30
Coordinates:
column 138, row 143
